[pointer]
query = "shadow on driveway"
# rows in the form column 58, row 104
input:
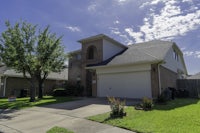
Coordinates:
column 6, row 114
column 82, row 102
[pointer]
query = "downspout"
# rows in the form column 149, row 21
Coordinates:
column 159, row 82
column 4, row 87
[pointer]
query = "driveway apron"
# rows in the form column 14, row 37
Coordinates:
column 70, row 115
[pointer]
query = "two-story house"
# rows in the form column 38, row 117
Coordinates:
column 105, row 67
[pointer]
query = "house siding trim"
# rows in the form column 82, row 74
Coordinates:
column 155, row 88
column 167, row 77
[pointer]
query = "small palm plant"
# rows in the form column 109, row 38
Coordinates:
column 117, row 107
column 147, row 103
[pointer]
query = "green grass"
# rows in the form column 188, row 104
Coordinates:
column 178, row 116
column 58, row 130
column 24, row 102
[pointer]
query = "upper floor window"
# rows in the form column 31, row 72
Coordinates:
column 91, row 52
column 175, row 55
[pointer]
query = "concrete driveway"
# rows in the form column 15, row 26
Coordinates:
column 70, row 115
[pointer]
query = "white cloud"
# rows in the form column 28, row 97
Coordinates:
column 136, row 35
column 116, row 22
column 127, row 40
column 190, row 1
column 122, row 35
column 188, row 53
column 73, row 28
column 144, row 4
column 115, row 31
column 168, row 22
column 122, row 2
column 183, row 48
column 195, row 54
column 92, row 7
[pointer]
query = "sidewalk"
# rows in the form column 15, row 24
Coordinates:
column 6, row 129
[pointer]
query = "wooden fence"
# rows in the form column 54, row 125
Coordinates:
column 191, row 85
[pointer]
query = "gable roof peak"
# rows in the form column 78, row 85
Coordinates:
column 101, row 36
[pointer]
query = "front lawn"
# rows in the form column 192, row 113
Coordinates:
column 24, row 102
column 178, row 116
column 58, row 130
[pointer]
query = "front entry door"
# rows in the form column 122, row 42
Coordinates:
column 91, row 83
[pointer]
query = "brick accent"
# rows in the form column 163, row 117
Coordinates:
column 74, row 69
column 98, row 44
column 14, row 85
column 94, row 85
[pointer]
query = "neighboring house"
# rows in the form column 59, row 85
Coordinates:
column 190, row 84
column 106, row 67
column 195, row 76
column 13, row 83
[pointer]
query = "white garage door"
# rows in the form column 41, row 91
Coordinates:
column 129, row 85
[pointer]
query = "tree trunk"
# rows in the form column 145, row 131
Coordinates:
column 32, row 90
column 40, row 87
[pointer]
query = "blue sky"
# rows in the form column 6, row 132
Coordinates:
column 127, row 21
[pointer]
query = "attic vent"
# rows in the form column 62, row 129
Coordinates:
column 175, row 55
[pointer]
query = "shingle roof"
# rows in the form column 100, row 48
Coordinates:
column 196, row 76
column 153, row 51
column 106, row 61
column 54, row 76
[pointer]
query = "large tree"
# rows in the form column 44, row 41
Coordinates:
column 33, row 52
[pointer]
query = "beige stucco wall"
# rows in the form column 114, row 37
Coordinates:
column 123, row 68
column 110, row 49
column 171, row 63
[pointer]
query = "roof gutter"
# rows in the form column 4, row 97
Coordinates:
column 159, row 82
column 118, row 65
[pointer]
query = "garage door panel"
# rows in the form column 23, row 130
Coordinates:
column 130, row 85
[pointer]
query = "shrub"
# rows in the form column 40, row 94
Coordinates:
column 167, row 94
column 182, row 93
column 117, row 107
column 78, row 90
column 147, row 103
column 74, row 89
column 59, row 92
column 161, row 99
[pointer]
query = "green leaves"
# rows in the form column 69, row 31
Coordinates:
column 21, row 48
column 49, row 51
column 17, row 45
column 32, row 51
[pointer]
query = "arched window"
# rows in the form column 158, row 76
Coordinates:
column 91, row 52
